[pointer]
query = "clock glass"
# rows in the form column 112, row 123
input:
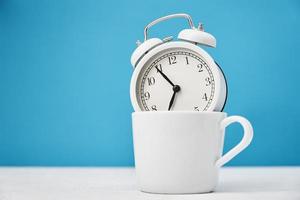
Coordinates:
column 175, row 79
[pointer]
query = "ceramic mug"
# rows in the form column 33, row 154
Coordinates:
column 181, row 151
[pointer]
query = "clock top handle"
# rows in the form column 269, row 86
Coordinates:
column 179, row 15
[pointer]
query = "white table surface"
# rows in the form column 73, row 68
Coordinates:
column 119, row 183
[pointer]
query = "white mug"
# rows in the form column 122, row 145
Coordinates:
column 181, row 151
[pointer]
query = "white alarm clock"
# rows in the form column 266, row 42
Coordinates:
column 177, row 75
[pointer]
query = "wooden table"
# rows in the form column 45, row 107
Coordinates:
column 40, row 183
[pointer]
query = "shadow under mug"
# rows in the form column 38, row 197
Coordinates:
column 180, row 152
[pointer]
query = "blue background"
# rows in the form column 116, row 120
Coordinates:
column 65, row 73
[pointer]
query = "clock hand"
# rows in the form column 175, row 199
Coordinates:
column 164, row 76
column 172, row 100
column 176, row 88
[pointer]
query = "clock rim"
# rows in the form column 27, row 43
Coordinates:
column 170, row 45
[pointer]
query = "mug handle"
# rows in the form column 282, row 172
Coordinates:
column 248, row 135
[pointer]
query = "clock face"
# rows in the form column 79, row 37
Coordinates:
column 175, row 79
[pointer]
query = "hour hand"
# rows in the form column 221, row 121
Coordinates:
column 165, row 77
column 176, row 89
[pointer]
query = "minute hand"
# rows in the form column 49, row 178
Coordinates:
column 164, row 76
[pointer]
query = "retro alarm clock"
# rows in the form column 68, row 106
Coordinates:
column 177, row 74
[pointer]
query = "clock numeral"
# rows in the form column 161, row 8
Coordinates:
column 208, row 81
column 154, row 108
column 158, row 68
column 172, row 60
column 146, row 96
column 205, row 97
column 196, row 108
column 187, row 60
column 151, row 81
column 200, row 67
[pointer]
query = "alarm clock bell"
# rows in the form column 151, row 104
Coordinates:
column 143, row 48
column 194, row 35
column 198, row 36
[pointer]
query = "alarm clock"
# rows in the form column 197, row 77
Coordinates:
column 177, row 74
